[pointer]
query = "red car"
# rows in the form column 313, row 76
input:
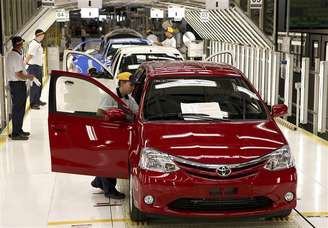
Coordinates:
column 203, row 143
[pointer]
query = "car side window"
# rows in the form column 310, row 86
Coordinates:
column 116, row 59
column 80, row 97
column 139, row 76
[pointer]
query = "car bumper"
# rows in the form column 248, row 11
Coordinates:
column 178, row 194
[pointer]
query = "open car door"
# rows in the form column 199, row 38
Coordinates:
column 82, row 62
column 90, row 46
column 81, row 140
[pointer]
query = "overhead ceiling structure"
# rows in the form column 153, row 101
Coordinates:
column 228, row 25
column 44, row 19
column 189, row 4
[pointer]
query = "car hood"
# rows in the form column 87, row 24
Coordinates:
column 215, row 143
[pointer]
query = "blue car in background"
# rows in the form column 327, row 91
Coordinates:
column 99, row 52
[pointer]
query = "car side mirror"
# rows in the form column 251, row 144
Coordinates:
column 279, row 110
column 115, row 114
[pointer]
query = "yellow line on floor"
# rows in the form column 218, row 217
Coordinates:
column 92, row 221
column 127, row 220
column 290, row 126
column 314, row 137
column 4, row 133
column 315, row 214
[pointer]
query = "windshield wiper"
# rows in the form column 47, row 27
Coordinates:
column 200, row 116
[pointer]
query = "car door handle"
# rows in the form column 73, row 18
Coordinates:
column 69, row 83
column 59, row 128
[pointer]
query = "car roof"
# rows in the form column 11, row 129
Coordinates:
column 129, row 40
column 122, row 33
column 189, row 68
column 148, row 49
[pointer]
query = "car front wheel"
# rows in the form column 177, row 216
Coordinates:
column 135, row 214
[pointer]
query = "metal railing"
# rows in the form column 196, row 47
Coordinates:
column 260, row 66
column 265, row 69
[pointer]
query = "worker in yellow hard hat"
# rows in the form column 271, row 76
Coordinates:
column 125, row 87
column 170, row 40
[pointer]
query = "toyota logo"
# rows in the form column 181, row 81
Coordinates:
column 223, row 171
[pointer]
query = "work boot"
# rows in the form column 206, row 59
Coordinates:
column 95, row 183
column 115, row 195
column 19, row 137
column 25, row 133
column 42, row 103
column 35, row 107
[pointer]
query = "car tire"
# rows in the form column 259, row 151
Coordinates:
column 135, row 214
column 281, row 215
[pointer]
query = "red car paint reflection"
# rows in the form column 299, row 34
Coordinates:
column 203, row 143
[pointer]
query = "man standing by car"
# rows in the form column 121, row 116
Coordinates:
column 170, row 41
column 35, row 61
column 125, row 87
column 17, row 76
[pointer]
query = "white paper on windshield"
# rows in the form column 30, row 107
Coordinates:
column 187, row 82
column 212, row 109
column 133, row 67
column 37, row 82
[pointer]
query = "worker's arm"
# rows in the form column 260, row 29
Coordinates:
column 28, row 58
column 23, row 76
column 100, row 112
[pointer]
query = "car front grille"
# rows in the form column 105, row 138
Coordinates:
column 209, row 171
column 201, row 205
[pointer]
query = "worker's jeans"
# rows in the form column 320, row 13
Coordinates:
column 35, row 91
column 106, row 183
column 18, row 97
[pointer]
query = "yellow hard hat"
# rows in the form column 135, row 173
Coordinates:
column 170, row 29
column 124, row 76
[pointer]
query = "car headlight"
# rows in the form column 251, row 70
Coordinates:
column 157, row 161
column 280, row 159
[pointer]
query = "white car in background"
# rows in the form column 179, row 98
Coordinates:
column 126, row 59
column 129, row 58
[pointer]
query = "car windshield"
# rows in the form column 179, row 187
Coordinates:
column 113, row 48
column 202, row 99
column 92, row 46
column 132, row 62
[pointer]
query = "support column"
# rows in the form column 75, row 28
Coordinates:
column 323, row 92
column 305, row 89
column 289, row 83
column 2, row 77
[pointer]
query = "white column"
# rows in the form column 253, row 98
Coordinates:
column 323, row 84
column 275, row 78
column 242, row 59
column 251, row 65
column 304, row 90
column 263, row 79
column 269, row 78
column 289, row 82
column 247, row 62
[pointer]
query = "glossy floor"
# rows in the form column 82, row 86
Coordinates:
column 32, row 196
